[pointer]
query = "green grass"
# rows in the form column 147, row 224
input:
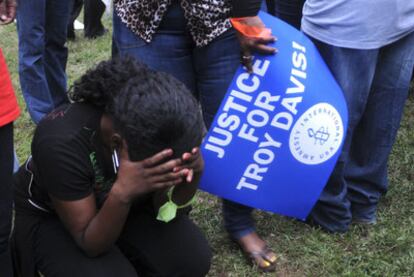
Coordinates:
column 386, row 249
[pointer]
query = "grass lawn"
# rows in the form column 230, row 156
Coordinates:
column 386, row 249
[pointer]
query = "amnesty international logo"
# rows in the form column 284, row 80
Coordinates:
column 317, row 134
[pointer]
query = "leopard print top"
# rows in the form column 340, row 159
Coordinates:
column 207, row 19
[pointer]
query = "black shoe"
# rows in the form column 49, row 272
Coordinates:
column 97, row 34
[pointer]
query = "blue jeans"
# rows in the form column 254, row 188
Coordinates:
column 375, row 84
column 42, row 27
column 206, row 71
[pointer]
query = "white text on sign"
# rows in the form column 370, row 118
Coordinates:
column 248, row 109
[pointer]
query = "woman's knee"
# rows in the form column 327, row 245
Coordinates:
column 193, row 259
column 200, row 264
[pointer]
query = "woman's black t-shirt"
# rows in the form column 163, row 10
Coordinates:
column 65, row 161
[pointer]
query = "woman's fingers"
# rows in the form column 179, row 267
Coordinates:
column 164, row 167
column 246, row 57
column 265, row 49
column 265, row 40
column 190, row 160
column 188, row 157
column 164, row 185
column 7, row 12
column 258, row 40
column 190, row 176
column 262, row 45
column 157, row 158
column 3, row 12
column 170, row 176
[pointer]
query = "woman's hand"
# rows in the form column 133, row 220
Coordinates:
column 193, row 162
column 154, row 173
column 253, row 37
column 192, row 165
column 7, row 11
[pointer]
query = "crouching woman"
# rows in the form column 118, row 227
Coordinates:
column 99, row 196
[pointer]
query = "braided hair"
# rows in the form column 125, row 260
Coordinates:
column 151, row 110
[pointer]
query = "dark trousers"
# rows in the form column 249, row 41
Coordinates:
column 289, row 11
column 146, row 246
column 92, row 14
column 6, row 172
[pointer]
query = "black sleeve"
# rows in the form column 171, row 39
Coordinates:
column 242, row 8
column 63, row 170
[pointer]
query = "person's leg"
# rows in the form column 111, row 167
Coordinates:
column 270, row 4
column 56, row 52
column 94, row 9
column 240, row 226
column 215, row 65
column 354, row 71
column 238, row 220
column 76, row 7
column 56, row 254
column 6, row 202
column 169, row 51
column 31, row 19
column 289, row 11
column 155, row 248
column 366, row 170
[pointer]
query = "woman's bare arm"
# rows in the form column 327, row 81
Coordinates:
column 95, row 231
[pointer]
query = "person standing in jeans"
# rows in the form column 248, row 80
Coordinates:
column 42, row 30
column 195, row 42
column 369, row 48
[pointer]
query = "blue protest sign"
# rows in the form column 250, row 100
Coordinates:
column 279, row 131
